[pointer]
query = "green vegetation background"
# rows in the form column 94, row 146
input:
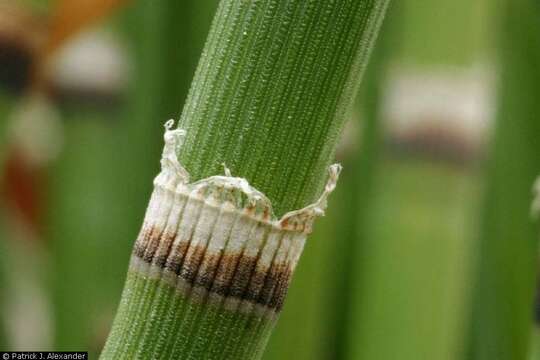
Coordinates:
column 417, row 259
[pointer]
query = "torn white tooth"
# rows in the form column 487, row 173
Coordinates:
column 226, row 170
column 236, row 190
column 170, row 166
column 309, row 213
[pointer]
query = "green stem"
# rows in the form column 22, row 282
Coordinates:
column 87, row 168
column 3, row 322
column 212, row 263
column 506, row 275
column 357, row 201
column 271, row 91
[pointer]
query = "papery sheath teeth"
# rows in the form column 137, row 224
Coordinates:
column 218, row 237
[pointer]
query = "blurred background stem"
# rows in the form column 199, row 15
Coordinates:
column 357, row 200
column 92, row 235
column 506, row 275
column 409, row 297
column 3, row 321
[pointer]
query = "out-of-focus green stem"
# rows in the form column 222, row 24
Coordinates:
column 357, row 201
column 507, row 271
column 108, row 163
column 535, row 344
column 5, row 109
column 3, row 324
column 166, row 41
column 439, row 33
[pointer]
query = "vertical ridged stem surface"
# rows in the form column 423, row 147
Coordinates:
column 271, row 91
column 211, row 266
